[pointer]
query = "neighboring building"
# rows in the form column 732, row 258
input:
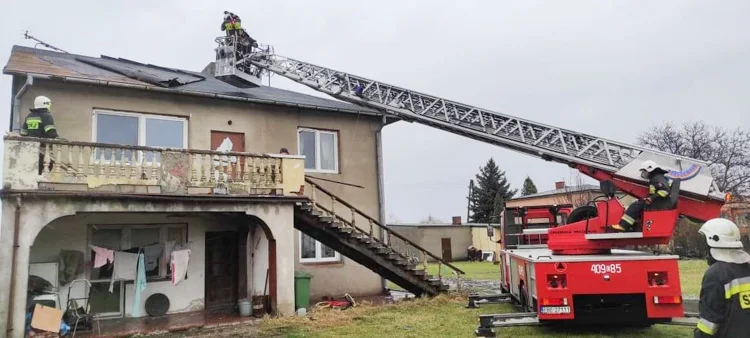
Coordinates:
column 452, row 240
column 562, row 194
column 114, row 185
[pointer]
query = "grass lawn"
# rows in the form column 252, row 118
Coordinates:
column 442, row 316
column 445, row 315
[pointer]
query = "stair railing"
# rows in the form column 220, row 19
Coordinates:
column 354, row 218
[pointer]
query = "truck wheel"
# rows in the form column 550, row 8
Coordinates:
column 582, row 213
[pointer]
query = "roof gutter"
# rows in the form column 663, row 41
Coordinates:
column 16, row 113
column 116, row 84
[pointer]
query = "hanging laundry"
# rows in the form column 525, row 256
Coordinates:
column 180, row 260
column 125, row 268
column 140, row 285
column 102, row 256
column 152, row 254
column 168, row 248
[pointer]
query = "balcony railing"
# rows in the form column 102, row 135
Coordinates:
column 86, row 166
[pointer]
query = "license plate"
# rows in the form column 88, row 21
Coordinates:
column 553, row 310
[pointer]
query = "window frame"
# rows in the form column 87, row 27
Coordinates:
column 141, row 127
column 317, row 133
column 126, row 242
column 318, row 253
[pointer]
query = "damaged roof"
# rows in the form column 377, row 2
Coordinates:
column 106, row 70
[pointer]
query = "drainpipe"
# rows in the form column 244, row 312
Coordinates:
column 16, row 114
column 381, row 188
column 16, row 224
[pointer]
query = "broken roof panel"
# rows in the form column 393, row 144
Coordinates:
column 24, row 60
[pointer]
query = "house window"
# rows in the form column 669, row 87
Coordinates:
column 320, row 149
column 313, row 251
column 131, row 238
column 138, row 130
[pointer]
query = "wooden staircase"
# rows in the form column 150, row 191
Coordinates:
column 396, row 258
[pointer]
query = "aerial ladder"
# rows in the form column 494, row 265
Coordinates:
column 585, row 244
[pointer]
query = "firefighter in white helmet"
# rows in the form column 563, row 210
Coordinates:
column 724, row 307
column 659, row 188
column 39, row 123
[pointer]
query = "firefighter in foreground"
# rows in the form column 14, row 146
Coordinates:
column 658, row 186
column 724, row 307
column 39, row 123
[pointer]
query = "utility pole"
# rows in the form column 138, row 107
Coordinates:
column 468, row 200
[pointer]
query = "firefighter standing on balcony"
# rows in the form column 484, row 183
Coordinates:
column 724, row 307
column 658, row 188
column 39, row 123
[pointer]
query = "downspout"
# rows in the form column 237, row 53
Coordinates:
column 16, row 114
column 381, row 187
column 16, row 224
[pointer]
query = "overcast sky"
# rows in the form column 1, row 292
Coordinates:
column 609, row 68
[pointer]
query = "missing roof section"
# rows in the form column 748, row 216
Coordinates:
column 155, row 75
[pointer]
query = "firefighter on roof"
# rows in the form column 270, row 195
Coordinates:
column 39, row 123
column 724, row 306
column 659, row 188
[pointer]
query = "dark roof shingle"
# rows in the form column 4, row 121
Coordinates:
column 25, row 60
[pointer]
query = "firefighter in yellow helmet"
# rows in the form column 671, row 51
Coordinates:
column 724, row 308
column 39, row 123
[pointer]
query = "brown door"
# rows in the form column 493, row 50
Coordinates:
column 221, row 271
column 445, row 243
column 238, row 145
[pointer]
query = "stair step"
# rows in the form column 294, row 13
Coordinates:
column 326, row 219
column 315, row 212
column 365, row 239
column 375, row 245
column 306, row 206
column 401, row 262
column 410, row 267
column 383, row 250
column 345, row 230
column 444, row 287
column 435, row 281
column 393, row 256
column 419, row 272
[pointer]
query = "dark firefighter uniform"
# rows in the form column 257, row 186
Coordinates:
column 658, row 188
column 725, row 301
column 39, row 123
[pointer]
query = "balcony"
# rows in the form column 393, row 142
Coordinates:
column 113, row 168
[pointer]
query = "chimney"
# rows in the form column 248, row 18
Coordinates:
column 560, row 185
column 456, row 220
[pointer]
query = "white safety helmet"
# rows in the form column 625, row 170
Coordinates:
column 723, row 237
column 648, row 166
column 42, row 102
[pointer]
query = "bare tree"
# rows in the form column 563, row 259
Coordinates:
column 727, row 151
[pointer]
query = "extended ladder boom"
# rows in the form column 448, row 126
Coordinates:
column 536, row 139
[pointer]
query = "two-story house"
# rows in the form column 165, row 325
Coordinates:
column 156, row 160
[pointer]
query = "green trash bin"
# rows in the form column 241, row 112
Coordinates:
column 301, row 289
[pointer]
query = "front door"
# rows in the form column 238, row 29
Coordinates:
column 227, row 141
column 221, row 271
column 445, row 243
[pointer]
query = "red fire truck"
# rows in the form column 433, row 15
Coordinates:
column 577, row 270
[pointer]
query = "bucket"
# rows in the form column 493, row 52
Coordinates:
column 244, row 307
column 259, row 305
